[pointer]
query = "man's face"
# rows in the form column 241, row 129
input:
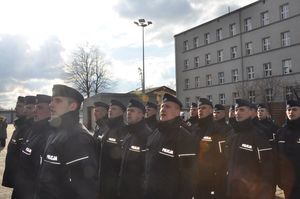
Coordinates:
column 242, row 113
column 19, row 109
column 293, row 113
column 150, row 112
column 169, row 110
column 61, row 105
column 134, row 115
column 262, row 113
column 100, row 112
column 193, row 112
column 114, row 111
column 204, row 111
column 218, row 115
column 29, row 111
column 42, row 111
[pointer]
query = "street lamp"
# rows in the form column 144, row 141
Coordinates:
column 143, row 23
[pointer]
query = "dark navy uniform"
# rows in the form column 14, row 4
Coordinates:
column 250, row 163
column 133, row 161
column 69, row 166
column 110, row 161
column 289, row 158
column 152, row 122
column 170, row 161
column 30, row 157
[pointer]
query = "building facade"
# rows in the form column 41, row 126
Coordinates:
column 250, row 53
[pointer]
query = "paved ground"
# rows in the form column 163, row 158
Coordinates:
column 5, row 193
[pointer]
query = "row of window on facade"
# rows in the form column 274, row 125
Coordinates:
column 267, row 72
column 269, row 95
column 265, row 20
column 266, row 46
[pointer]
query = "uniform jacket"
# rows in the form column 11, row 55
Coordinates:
column 13, row 152
column 30, row 156
column 3, row 126
column 110, row 161
column 170, row 161
column 132, row 171
column 152, row 122
column 250, row 166
column 69, row 165
column 289, row 158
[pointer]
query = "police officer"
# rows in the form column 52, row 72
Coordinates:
column 264, row 118
column 150, row 115
column 3, row 132
column 32, row 149
column 193, row 120
column 110, row 160
column 22, row 124
column 289, row 150
column 69, row 166
column 170, row 156
column 101, row 111
column 231, row 116
column 219, row 118
column 211, row 176
column 133, row 152
column 250, row 166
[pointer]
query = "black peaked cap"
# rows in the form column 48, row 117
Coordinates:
column 21, row 99
column 42, row 99
column 29, row 99
column 101, row 104
column 261, row 106
column 219, row 107
column 291, row 103
column 136, row 104
column 194, row 105
column 242, row 102
column 170, row 98
column 65, row 91
column 204, row 101
column 114, row 102
column 151, row 105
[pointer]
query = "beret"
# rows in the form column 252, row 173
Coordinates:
column 204, row 101
column 42, row 99
column 29, row 99
column 65, row 91
column 101, row 104
column 170, row 98
column 136, row 104
column 114, row 102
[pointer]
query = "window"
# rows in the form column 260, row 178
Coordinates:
column 186, row 45
column 235, row 96
column 220, row 55
column 207, row 38
column 251, row 96
column 197, row 81
column 248, row 24
column 187, row 102
column 249, row 48
column 208, row 80
column 269, row 95
column 209, row 97
column 196, row 42
column 207, row 58
column 219, row 35
column 196, row 62
column 221, row 77
column 235, row 75
column 186, row 64
column 186, row 83
column 233, row 51
column 267, row 69
column 285, row 39
column 222, row 98
column 287, row 66
column 289, row 93
column 284, row 11
column 232, row 29
column 250, row 72
column 265, row 20
column 266, row 44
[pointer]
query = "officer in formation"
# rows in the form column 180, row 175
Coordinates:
column 101, row 117
column 219, row 118
column 151, row 115
column 3, row 132
column 193, row 120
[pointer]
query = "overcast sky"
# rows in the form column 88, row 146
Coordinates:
column 37, row 38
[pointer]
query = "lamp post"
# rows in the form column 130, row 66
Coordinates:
column 143, row 23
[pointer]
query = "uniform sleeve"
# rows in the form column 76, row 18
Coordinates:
column 187, row 149
column 81, row 164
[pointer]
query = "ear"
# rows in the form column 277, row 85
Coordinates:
column 73, row 106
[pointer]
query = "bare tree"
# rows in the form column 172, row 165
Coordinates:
column 87, row 70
